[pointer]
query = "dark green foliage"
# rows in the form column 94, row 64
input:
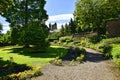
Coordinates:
column 27, row 21
column 1, row 27
column 72, row 26
column 107, row 42
column 39, row 38
column 68, row 28
column 54, row 36
column 116, row 51
column 5, row 39
column 5, row 5
column 74, row 52
column 96, row 39
column 66, row 39
column 107, row 51
column 93, row 14
column 113, row 51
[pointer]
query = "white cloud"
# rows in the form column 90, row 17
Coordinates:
column 5, row 27
column 61, row 19
column 56, row 18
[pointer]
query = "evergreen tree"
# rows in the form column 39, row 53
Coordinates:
column 1, row 27
column 27, row 20
column 72, row 26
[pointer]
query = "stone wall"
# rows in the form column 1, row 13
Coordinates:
column 113, row 28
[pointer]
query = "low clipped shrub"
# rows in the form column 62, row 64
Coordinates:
column 66, row 39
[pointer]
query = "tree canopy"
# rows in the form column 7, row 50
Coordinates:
column 93, row 14
column 27, row 21
column 5, row 4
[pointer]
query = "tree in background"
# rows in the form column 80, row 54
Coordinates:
column 62, row 31
column 27, row 21
column 72, row 26
column 1, row 27
column 93, row 14
column 69, row 28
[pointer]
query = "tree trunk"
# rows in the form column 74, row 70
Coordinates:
column 98, row 31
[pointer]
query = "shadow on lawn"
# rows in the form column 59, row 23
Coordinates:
column 6, row 68
column 51, row 52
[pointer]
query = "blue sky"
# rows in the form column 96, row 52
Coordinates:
column 56, row 7
column 59, row 11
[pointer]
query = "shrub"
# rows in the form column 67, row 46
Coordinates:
column 54, row 35
column 66, row 39
column 35, row 71
column 58, row 61
column 113, row 51
column 80, row 58
column 77, row 49
column 96, row 39
column 107, row 51
column 106, row 42
column 116, row 51
column 117, row 62
column 83, row 51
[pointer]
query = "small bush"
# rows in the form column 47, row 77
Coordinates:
column 96, row 39
column 58, row 61
column 107, row 51
column 106, row 42
column 35, row 71
column 80, row 58
column 66, row 39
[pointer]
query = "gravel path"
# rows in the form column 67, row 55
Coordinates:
column 95, row 68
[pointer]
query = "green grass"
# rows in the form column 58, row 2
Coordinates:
column 116, row 50
column 23, row 56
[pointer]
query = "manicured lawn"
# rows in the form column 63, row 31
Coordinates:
column 23, row 56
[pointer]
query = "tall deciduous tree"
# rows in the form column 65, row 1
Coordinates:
column 27, row 21
column 94, row 13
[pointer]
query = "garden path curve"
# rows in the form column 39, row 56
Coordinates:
column 95, row 68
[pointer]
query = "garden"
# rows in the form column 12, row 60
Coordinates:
column 85, row 48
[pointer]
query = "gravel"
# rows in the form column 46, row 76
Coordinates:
column 95, row 68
